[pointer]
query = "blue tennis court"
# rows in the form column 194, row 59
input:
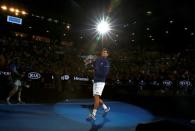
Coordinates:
column 71, row 116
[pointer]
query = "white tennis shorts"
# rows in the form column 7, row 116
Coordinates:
column 98, row 88
column 17, row 83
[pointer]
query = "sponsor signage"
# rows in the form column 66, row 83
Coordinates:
column 34, row 75
column 76, row 78
column 15, row 20
column 5, row 73
column 65, row 77
column 81, row 78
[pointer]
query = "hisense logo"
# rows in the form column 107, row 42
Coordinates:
column 80, row 79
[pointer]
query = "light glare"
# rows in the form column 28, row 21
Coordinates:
column 103, row 27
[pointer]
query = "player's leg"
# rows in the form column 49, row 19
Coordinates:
column 19, row 95
column 95, row 107
column 96, row 104
column 104, row 106
column 97, row 90
column 11, row 93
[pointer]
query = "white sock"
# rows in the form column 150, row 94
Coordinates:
column 19, row 99
column 104, row 106
column 94, row 112
column 8, row 98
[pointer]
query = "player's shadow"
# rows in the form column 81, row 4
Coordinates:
column 96, row 127
column 89, row 107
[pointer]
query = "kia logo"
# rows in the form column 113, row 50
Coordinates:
column 34, row 75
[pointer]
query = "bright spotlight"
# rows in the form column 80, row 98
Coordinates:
column 103, row 27
column 17, row 11
column 11, row 9
column 68, row 27
column 4, row 7
column 24, row 12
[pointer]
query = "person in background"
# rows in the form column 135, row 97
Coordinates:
column 16, row 82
